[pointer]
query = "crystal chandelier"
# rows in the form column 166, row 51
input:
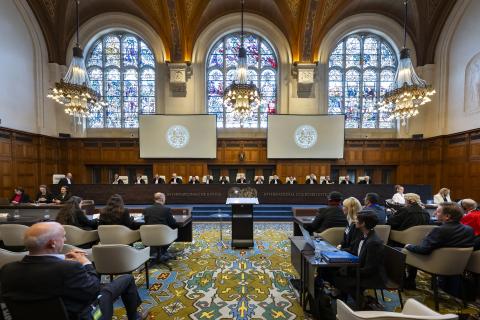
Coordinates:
column 241, row 96
column 409, row 90
column 73, row 90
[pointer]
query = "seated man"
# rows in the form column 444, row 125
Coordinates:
column 175, row 179
column 327, row 180
column 366, row 180
column 66, row 181
column 45, row 273
column 412, row 214
column 451, row 233
column 224, row 180
column 138, row 179
column 292, row 180
column 116, row 179
column 330, row 216
column 311, row 179
column 398, row 196
column 242, row 180
column 208, row 179
column 259, row 180
column 371, row 203
column 275, row 180
column 194, row 180
column 346, row 180
column 159, row 214
column 158, row 180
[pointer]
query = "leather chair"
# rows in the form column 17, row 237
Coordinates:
column 412, row 310
column 78, row 237
column 114, row 259
column 441, row 262
column 117, row 234
column 413, row 235
column 158, row 236
column 12, row 235
column 25, row 310
column 383, row 232
column 9, row 256
column 334, row 236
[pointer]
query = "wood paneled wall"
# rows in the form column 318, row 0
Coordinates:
column 448, row 161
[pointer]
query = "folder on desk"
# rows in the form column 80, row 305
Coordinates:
column 339, row 256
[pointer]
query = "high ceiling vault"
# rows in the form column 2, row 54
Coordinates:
column 303, row 22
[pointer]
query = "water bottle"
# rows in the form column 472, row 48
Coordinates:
column 318, row 249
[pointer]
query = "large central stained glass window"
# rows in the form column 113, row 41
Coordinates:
column 221, row 71
column 121, row 67
column 361, row 69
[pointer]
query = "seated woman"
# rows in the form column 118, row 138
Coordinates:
column 43, row 195
column 115, row 212
column 19, row 196
column 72, row 214
column 369, row 249
column 410, row 215
column 443, row 195
column 63, row 196
column 351, row 207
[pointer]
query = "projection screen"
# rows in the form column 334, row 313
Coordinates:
column 305, row 136
column 178, row 136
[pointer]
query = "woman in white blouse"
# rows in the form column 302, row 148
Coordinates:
column 398, row 196
column 443, row 195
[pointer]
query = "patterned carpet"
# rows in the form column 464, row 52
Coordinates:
column 212, row 281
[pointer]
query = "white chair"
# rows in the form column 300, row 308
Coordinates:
column 308, row 177
column 413, row 235
column 124, row 179
column 9, row 256
column 334, row 236
column 322, row 178
column 12, row 234
column 77, row 237
column 287, row 179
column 226, row 177
column 116, row 259
column 239, row 175
column 117, row 234
column 340, row 179
column 207, row 177
column 474, row 262
column 270, row 179
column 383, row 232
column 412, row 310
column 441, row 262
column 145, row 178
column 160, row 236
column 257, row 177
column 56, row 178
column 360, row 179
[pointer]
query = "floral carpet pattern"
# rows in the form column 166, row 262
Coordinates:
column 211, row 281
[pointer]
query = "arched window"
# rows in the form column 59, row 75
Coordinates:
column 221, row 71
column 360, row 69
column 121, row 67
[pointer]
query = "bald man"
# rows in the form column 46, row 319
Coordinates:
column 158, row 213
column 45, row 273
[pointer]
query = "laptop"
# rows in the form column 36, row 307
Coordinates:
column 306, row 236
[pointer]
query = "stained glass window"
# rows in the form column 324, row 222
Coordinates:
column 262, row 70
column 121, row 68
column 361, row 69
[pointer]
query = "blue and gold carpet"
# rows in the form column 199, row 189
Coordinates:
column 211, row 281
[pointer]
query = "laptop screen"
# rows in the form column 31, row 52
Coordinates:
column 307, row 237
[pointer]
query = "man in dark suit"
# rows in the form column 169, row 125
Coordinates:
column 65, row 181
column 45, row 273
column 346, row 180
column 116, row 179
column 208, row 179
column 138, row 179
column 194, row 180
column 175, row 179
column 327, row 180
column 223, row 180
column 330, row 216
column 242, row 179
column 366, row 180
column 371, row 203
column 291, row 180
column 311, row 179
column 410, row 215
column 157, row 180
column 275, row 180
column 451, row 234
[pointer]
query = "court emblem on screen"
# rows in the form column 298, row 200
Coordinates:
column 177, row 136
column 305, row 136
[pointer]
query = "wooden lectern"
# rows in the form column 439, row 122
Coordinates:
column 242, row 221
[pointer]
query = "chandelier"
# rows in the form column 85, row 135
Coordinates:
column 73, row 90
column 409, row 91
column 242, row 97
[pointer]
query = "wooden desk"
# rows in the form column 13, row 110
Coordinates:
column 301, row 221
